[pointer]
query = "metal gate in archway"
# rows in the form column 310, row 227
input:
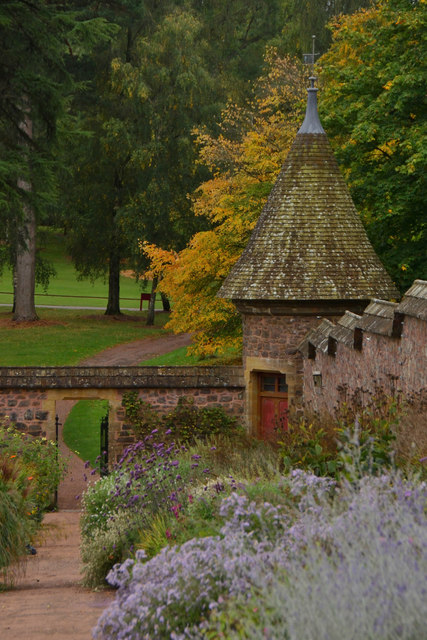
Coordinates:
column 103, row 459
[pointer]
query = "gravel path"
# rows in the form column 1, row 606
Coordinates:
column 48, row 602
column 133, row 353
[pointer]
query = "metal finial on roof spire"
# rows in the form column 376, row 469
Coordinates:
column 311, row 122
column 310, row 58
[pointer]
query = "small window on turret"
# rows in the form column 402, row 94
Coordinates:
column 317, row 379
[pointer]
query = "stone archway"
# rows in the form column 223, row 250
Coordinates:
column 78, row 476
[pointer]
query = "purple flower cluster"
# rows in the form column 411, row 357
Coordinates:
column 352, row 563
column 149, row 479
column 144, row 481
column 171, row 594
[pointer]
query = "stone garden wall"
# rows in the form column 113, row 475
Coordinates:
column 382, row 351
column 28, row 395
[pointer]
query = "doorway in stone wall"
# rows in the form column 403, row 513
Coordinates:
column 272, row 404
column 82, row 429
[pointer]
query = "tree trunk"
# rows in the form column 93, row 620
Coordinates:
column 113, row 306
column 24, row 274
column 150, row 313
column 14, row 286
column 25, row 267
column 165, row 302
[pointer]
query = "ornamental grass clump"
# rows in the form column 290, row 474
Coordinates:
column 16, row 525
column 335, row 561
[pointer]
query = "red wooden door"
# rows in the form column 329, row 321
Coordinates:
column 273, row 405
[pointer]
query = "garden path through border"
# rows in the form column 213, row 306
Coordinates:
column 48, row 601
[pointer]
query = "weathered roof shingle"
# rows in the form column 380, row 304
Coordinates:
column 414, row 302
column 309, row 242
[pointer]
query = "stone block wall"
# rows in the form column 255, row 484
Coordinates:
column 24, row 409
column 28, row 395
column 271, row 336
column 384, row 351
column 275, row 337
column 165, row 400
column 413, row 356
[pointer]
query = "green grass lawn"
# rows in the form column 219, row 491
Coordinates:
column 81, row 431
column 65, row 288
column 64, row 337
column 179, row 357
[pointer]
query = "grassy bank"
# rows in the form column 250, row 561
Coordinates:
column 179, row 357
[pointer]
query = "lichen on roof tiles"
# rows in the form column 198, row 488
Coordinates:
column 309, row 242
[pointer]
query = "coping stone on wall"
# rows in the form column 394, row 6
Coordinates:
column 120, row 377
column 414, row 302
column 343, row 331
column 317, row 336
column 378, row 317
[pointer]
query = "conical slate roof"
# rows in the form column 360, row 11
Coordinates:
column 309, row 242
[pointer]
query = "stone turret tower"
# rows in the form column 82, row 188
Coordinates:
column 308, row 258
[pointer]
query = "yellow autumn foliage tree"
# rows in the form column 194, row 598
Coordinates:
column 244, row 160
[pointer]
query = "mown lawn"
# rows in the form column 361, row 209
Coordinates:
column 64, row 288
column 64, row 337
column 82, row 429
column 179, row 357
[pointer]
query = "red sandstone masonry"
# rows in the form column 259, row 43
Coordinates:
column 25, row 411
column 276, row 337
column 28, row 394
column 164, row 400
column 394, row 365
column 269, row 336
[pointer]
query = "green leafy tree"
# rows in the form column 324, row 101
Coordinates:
column 374, row 109
column 132, row 175
column 237, row 33
column 302, row 20
column 36, row 39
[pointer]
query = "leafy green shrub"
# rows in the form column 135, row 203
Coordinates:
column 41, row 460
column 141, row 415
column 186, row 423
column 189, row 423
column 310, row 446
column 30, row 471
column 364, row 436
